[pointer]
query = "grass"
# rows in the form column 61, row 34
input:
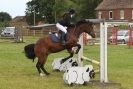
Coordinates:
column 18, row 72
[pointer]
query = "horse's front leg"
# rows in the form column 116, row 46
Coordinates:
column 76, row 48
column 64, row 59
column 71, row 52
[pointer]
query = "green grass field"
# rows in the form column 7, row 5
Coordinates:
column 18, row 72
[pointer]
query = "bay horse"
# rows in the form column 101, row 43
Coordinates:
column 45, row 46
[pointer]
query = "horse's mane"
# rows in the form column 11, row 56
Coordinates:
column 82, row 22
column 79, row 23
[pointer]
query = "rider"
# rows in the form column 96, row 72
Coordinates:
column 64, row 23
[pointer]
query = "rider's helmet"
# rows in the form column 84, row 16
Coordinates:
column 72, row 11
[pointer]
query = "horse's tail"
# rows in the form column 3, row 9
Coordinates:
column 29, row 51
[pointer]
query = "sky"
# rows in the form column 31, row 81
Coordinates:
column 13, row 7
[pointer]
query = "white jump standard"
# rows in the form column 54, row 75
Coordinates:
column 103, row 53
column 103, row 50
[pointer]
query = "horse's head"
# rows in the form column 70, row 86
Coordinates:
column 87, row 27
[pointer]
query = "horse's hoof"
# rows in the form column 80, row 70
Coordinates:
column 41, row 74
column 56, row 70
column 85, row 83
column 48, row 74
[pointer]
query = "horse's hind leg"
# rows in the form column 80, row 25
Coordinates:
column 43, row 69
column 38, row 66
column 42, row 61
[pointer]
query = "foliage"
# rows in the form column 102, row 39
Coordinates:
column 4, row 19
column 123, row 26
column 43, row 11
column 4, row 24
column 88, row 8
column 51, row 11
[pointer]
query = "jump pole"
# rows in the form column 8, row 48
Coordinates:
column 80, row 53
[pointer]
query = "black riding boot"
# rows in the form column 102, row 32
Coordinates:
column 63, row 35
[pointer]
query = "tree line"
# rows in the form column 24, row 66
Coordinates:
column 51, row 11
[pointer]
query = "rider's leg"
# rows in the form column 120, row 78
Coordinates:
column 64, row 31
column 63, row 38
column 62, row 28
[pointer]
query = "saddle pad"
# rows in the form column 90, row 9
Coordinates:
column 55, row 38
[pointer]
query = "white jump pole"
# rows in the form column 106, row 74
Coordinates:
column 103, row 52
column 80, row 53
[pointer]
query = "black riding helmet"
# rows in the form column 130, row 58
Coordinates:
column 71, row 11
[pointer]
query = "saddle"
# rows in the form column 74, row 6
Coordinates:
column 56, row 37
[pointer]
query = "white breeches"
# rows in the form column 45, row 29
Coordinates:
column 62, row 28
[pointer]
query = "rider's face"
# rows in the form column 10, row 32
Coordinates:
column 72, row 15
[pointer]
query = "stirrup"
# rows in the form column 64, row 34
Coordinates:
column 63, row 42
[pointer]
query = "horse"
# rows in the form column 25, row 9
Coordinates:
column 45, row 46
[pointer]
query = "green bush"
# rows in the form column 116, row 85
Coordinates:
column 123, row 26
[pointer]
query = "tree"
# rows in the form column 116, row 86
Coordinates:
column 51, row 11
column 62, row 6
column 43, row 10
column 4, row 19
column 87, row 8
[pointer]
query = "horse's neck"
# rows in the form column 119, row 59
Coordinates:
column 77, row 32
